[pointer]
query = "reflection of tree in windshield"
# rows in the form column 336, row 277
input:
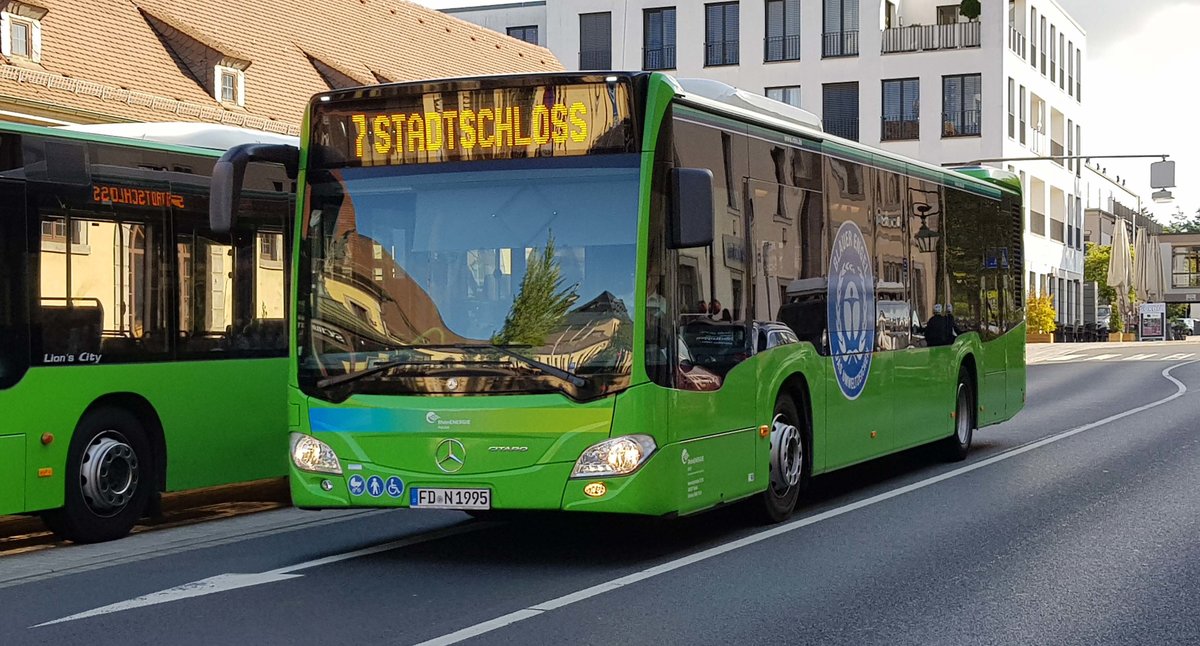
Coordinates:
column 540, row 304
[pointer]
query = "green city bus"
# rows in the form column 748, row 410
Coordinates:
column 139, row 350
column 627, row 293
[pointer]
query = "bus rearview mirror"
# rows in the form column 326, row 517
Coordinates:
column 230, row 172
column 691, row 208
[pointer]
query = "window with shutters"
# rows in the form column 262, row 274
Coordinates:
column 783, row 31
column 841, row 28
column 595, row 41
column 721, row 34
column 1071, row 68
column 1033, row 43
column 839, row 109
column 658, row 48
column 1062, row 76
column 1053, row 58
column 1042, row 40
column 901, row 109
column 961, row 102
column 789, row 94
column 1021, row 109
column 527, row 33
column 1012, row 112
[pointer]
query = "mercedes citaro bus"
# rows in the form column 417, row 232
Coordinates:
column 139, row 350
column 621, row 292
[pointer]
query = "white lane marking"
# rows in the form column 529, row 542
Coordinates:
column 1064, row 357
column 587, row 593
column 227, row 582
column 1100, row 357
column 1140, row 357
column 1179, row 357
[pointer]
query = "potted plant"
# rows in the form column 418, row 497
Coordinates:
column 1039, row 319
column 970, row 9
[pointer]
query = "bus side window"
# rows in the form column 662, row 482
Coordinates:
column 103, row 279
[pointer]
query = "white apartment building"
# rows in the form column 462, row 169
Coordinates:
column 913, row 76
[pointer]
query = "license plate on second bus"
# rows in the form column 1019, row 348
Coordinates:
column 451, row 498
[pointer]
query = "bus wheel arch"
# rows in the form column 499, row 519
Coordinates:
column 791, row 433
column 109, row 476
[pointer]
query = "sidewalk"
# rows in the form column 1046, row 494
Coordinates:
column 1038, row 352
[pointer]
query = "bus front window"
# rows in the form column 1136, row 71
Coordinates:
column 436, row 266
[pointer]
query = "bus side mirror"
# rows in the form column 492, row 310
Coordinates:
column 229, row 173
column 691, row 208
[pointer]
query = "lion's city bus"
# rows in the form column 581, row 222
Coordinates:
column 627, row 293
column 139, row 350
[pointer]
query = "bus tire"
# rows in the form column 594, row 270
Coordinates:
column 955, row 447
column 790, row 462
column 109, row 478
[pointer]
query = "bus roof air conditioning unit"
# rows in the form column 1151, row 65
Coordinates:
column 756, row 103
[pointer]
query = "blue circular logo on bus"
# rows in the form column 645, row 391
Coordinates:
column 851, row 295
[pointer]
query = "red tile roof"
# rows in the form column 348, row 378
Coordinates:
column 105, row 59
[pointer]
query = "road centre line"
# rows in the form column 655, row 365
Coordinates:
column 587, row 593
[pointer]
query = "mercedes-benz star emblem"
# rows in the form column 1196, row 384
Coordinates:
column 449, row 455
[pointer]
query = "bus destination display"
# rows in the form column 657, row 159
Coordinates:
column 538, row 121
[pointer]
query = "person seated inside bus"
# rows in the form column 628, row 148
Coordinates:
column 717, row 313
column 941, row 330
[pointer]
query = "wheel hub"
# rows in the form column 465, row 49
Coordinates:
column 108, row 474
column 787, row 454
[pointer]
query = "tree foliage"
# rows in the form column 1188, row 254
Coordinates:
column 541, row 303
column 1039, row 313
column 970, row 9
column 1095, row 269
column 1182, row 223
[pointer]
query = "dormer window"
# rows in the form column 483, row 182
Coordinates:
column 21, row 31
column 230, row 85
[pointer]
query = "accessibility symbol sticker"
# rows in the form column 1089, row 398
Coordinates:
column 851, row 299
column 394, row 487
column 357, row 485
column 375, row 486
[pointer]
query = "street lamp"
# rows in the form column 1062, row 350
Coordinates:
column 927, row 239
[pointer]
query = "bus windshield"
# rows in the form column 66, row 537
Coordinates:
column 432, row 268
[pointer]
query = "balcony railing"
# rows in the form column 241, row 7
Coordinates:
column 896, row 128
column 961, row 123
column 1016, row 41
column 920, row 38
column 722, row 52
column 781, row 48
column 844, row 128
column 839, row 43
column 662, row 58
column 595, row 60
column 1037, row 141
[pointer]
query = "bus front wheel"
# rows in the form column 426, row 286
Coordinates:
column 956, row 446
column 790, row 461
column 108, row 478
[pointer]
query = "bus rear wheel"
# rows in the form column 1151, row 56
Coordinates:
column 790, row 462
column 956, row 447
column 108, row 478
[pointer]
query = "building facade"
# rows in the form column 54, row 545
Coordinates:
column 913, row 76
column 252, row 63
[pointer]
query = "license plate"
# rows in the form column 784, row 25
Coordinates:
column 450, row 498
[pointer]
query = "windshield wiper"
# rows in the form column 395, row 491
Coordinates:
column 507, row 350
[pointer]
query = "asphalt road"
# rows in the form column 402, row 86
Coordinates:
column 1075, row 523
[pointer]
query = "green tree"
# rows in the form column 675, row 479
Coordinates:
column 1181, row 223
column 541, row 303
column 1039, row 313
column 1095, row 269
column 970, row 9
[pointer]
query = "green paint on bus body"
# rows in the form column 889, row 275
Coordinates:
column 709, row 449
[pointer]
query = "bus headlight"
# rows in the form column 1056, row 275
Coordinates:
column 614, row 457
column 311, row 454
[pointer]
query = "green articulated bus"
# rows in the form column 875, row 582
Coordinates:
column 627, row 293
column 139, row 350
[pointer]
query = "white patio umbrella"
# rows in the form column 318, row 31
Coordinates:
column 1120, row 265
column 1141, row 266
column 1154, row 270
